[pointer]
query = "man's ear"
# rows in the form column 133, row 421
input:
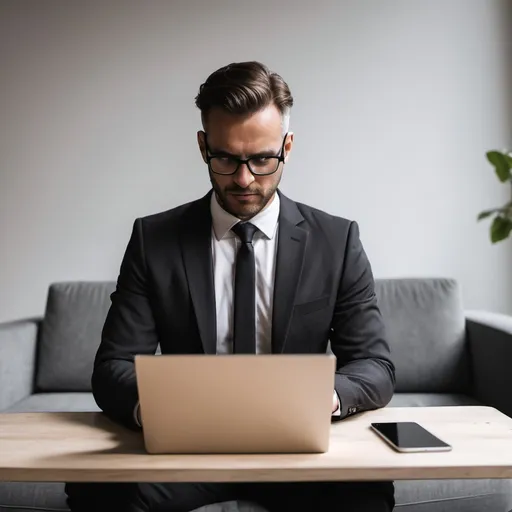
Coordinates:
column 288, row 145
column 201, row 144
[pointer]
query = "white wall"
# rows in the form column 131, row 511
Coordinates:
column 396, row 104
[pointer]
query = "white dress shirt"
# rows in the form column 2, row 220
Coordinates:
column 225, row 245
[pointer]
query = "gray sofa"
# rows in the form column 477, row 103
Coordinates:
column 443, row 355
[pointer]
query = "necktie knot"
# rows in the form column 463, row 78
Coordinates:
column 245, row 231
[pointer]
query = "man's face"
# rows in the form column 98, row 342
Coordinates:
column 243, row 194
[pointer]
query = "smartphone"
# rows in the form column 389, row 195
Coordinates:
column 408, row 436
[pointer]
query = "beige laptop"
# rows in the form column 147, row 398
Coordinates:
column 236, row 403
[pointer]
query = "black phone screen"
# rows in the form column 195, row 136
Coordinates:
column 409, row 435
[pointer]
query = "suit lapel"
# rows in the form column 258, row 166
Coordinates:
column 291, row 247
column 197, row 254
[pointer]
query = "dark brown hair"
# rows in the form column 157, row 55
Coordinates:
column 243, row 88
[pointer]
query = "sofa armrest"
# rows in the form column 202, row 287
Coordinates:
column 18, row 342
column 490, row 344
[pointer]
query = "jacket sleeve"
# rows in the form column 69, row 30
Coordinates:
column 129, row 329
column 365, row 374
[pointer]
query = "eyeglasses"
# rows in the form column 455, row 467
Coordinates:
column 259, row 165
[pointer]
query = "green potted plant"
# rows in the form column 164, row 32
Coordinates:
column 501, row 225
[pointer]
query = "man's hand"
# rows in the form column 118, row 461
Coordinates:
column 335, row 402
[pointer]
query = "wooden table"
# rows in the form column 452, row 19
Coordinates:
column 89, row 447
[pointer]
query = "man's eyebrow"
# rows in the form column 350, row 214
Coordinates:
column 214, row 151
column 266, row 152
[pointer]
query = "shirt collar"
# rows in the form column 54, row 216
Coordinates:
column 265, row 221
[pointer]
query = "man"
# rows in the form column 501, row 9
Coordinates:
column 243, row 270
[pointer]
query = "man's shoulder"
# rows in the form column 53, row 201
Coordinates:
column 326, row 229
column 316, row 216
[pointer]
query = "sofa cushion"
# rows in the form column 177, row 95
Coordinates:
column 32, row 496
column 56, row 402
column 71, row 334
column 424, row 319
column 426, row 330
column 453, row 495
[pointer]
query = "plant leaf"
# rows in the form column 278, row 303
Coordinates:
column 502, row 164
column 486, row 213
column 500, row 229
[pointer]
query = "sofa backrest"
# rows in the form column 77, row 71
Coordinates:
column 424, row 320
column 426, row 330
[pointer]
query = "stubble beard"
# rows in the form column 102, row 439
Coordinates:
column 250, row 210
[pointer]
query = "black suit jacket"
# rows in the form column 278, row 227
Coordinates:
column 324, row 291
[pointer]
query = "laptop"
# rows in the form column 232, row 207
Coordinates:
column 276, row 403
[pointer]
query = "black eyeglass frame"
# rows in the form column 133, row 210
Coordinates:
column 279, row 157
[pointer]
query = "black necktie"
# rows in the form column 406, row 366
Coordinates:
column 244, row 326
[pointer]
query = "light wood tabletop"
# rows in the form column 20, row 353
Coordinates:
column 89, row 447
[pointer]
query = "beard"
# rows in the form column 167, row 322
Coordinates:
column 230, row 199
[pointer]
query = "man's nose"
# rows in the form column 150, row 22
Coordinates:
column 243, row 176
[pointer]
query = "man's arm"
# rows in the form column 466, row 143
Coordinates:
column 129, row 330
column 365, row 376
